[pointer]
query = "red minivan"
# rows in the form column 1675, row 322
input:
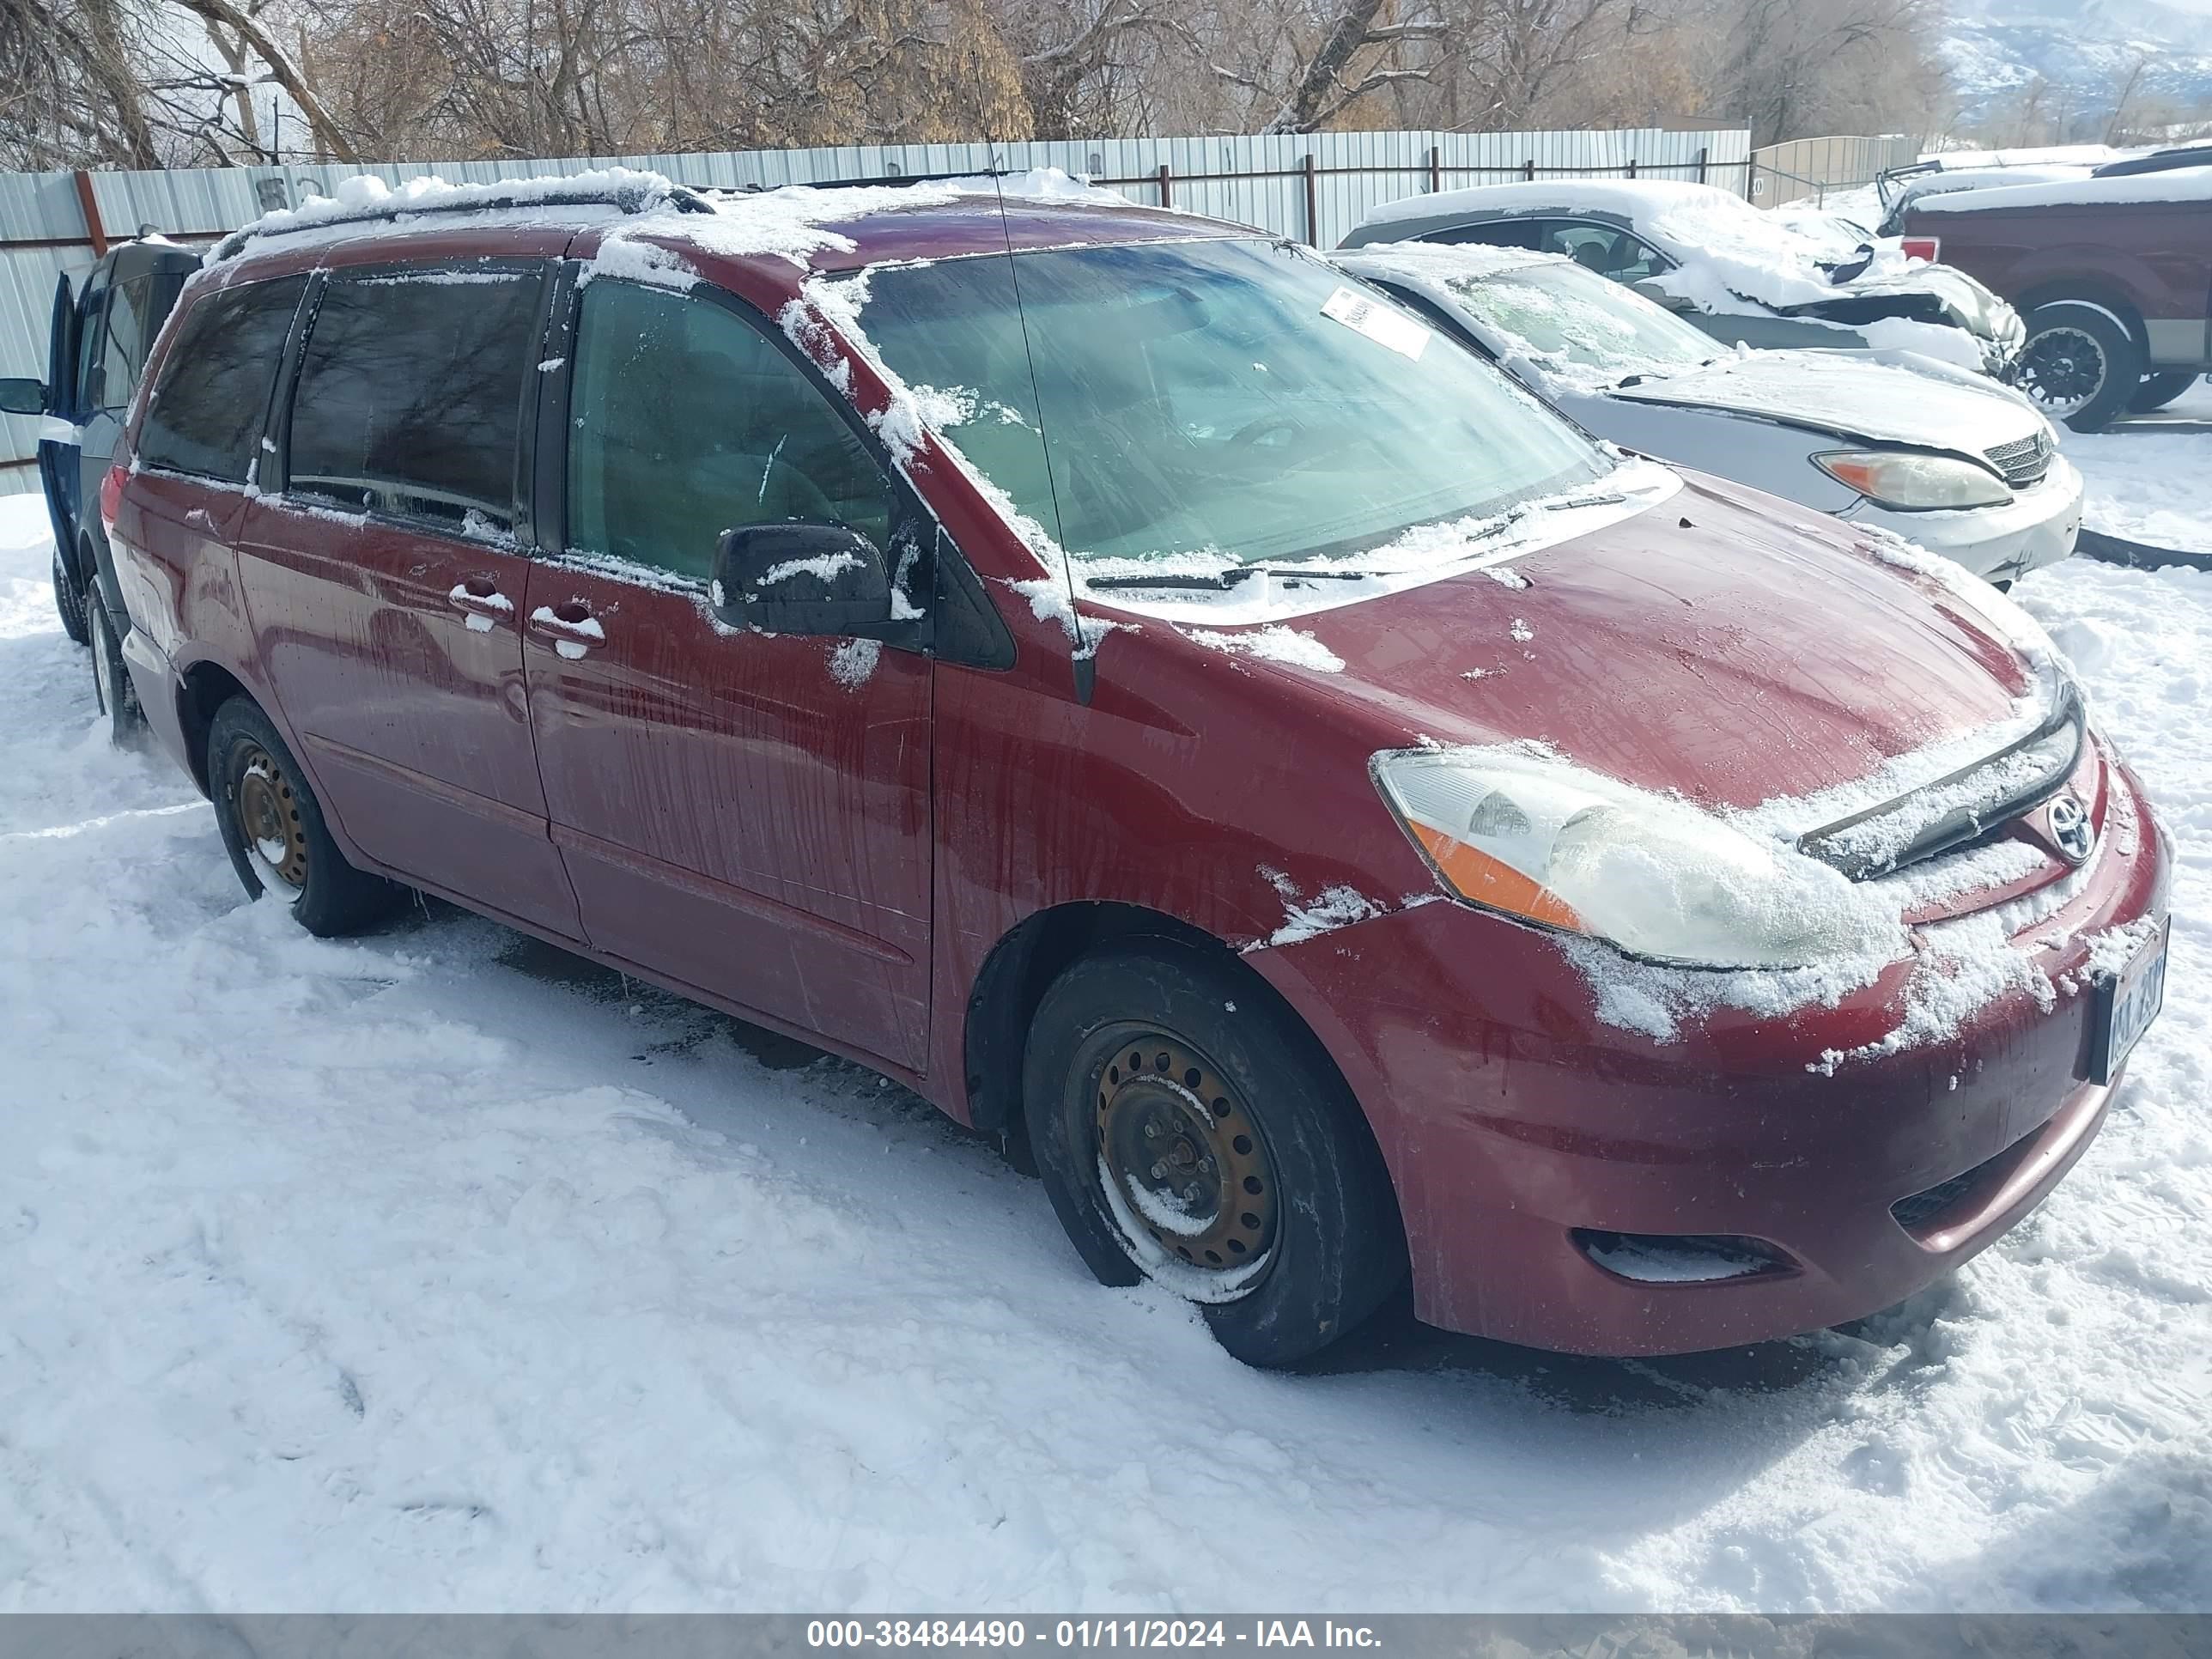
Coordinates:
column 1112, row 673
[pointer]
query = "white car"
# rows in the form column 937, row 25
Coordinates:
column 1741, row 275
column 1941, row 455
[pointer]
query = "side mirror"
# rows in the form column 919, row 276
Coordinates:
column 20, row 395
column 797, row 578
column 1650, row 290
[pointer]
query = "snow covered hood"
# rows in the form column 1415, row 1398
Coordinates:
column 1846, row 394
column 1671, row 651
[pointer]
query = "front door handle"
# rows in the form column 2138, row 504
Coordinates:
column 481, row 603
column 570, row 625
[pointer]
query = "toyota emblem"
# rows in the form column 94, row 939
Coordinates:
column 2069, row 829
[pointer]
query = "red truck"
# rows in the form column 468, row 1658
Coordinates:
column 2112, row 271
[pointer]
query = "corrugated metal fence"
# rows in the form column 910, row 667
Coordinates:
column 1312, row 187
column 1809, row 168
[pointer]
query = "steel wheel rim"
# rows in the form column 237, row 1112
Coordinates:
column 267, row 813
column 1185, row 1169
column 2055, row 369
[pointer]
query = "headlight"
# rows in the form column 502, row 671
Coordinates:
column 1536, row 837
column 1901, row 478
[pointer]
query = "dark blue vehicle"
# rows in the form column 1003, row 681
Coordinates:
column 102, row 330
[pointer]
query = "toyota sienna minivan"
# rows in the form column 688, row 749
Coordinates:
column 1124, row 679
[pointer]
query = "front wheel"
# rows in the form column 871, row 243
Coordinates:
column 272, row 827
column 2080, row 365
column 1190, row 1131
column 111, row 677
column 68, row 601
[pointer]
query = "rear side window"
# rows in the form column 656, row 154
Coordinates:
column 206, row 412
column 410, row 395
column 1492, row 232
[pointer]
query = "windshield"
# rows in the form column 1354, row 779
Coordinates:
column 1562, row 312
column 1238, row 399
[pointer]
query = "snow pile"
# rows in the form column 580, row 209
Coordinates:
column 2176, row 184
column 1274, row 644
column 1724, row 247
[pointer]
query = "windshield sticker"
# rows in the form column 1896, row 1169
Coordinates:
column 1379, row 321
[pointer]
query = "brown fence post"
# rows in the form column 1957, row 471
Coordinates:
column 86, row 200
column 1167, row 186
column 1436, row 169
column 1703, row 150
column 1528, row 169
column 1313, row 203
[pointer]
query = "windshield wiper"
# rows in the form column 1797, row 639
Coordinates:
column 1221, row 581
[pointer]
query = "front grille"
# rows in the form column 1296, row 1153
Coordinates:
column 2023, row 463
column 1920, row 1212
column 1951, row 812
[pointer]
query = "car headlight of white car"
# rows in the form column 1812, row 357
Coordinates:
column 1539, row 839
column 1907, row 479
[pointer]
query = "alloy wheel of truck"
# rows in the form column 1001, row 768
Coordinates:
column 2158, row 390
column 111, row 677
column 68, row 601
column 272, row 827
column 1190, row 1131
column 2079, row 365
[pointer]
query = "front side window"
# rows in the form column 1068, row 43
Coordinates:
column 684, row 421
column 1605, row 249
column 206, row 413
column 411, row 391
column 1238, row 399
column 91, row 332
column 125, row 347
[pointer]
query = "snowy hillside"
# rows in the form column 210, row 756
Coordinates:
column 2085, row 48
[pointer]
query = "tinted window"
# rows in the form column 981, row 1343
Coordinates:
column 1496, row 233
column 410, row 394
column 206, row 413
column 91, row 329
column 684, row 422
column 125, row 349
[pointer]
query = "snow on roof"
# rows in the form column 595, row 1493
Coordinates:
column 1724, row 246
column 2175, row 185
column 1442, row 260
column 790, row 221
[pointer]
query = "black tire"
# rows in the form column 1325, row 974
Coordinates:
column 2079, row 365
column 68, row 601
column 286, row 848
column 112, row 688
column 2158, row 390
column 1249, row 1110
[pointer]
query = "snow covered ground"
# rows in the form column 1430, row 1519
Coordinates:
column 441, row 1270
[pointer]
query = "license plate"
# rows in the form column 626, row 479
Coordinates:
column 2130, row 1001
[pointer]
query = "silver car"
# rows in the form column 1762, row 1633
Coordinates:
column 1940, row 455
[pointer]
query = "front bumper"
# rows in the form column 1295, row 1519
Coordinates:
column 2038, row 526
column 1514, row 1117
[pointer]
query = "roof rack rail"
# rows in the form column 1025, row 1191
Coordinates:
column 639, row 198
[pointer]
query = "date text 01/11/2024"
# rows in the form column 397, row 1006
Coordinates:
column 1086, row 1633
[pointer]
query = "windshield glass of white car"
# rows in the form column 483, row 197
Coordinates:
column 1234, row 399
column 1560, row 311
